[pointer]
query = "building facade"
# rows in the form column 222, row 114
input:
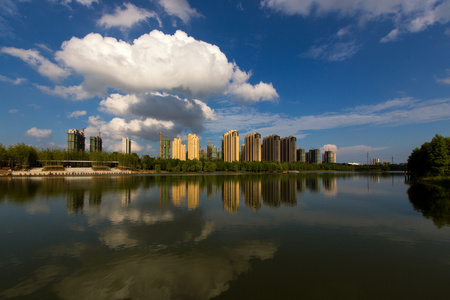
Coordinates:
column 313, row 156
column 301, row 155
column 289, row 149
column 96, row 144
column 231, row 146
column 75, row 140
column 178, row 150
column 329, row 157
column 193, row 146
column 252, row 147
column 126, row 145
column 212, row 152
column 164, row 150
column 271, row 147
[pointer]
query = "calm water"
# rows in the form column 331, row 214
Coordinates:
column 300, row 236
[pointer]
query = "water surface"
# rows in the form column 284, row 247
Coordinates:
column 311, row 236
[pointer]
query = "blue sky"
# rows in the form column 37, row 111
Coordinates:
column 351, row 76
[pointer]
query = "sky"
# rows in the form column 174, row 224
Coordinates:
column 359, row 77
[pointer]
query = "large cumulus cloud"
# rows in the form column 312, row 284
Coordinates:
column 156, row 61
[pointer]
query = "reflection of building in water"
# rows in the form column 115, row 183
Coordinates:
column 271, row 192
column 330, row 186
column 164, row 194
column 211, row 189
column 193, row 194
column 289, row 192
column 301, row 185
column 95, row 198
column 230, row 195
column 75, row 201
column 252, row 194
column 126, row 197
column 178, row 193
column 313, row 184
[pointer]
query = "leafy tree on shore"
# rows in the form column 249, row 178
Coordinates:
column 431, row 159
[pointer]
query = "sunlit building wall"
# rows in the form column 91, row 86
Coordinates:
column 252, row 148
column 126, row 145
column 178, row 150
column 193, row 146
column 231, row 146
column 329, row 157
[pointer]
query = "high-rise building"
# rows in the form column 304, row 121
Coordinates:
column 212, row 152
column 126, row 145
column 165, row 148
column 193, row 146
column 251, row 150
column 329, row 157
column 75, row 140
column 314, row 156
column 178, row 150
column 301, row 155
column 271, row 149
column 231, row 146
column 96, row 144
column 288, row 149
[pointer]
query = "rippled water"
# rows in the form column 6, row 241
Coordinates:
column 309, row 236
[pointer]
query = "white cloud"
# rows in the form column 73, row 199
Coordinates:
column 34, row 59
column 39, row 133
column 87, row 2
column 12, row 81
column 13, row 111
column 146, row 128
column 156, row 61
column 75, row 92
column 76, row 114
column 347, row 153
column 127, row 17
column 179, row 8
column 407, row 15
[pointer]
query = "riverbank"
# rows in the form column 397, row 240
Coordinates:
column 442, row 181
column 69, row 172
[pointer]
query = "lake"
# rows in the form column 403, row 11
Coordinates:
column 271, row 236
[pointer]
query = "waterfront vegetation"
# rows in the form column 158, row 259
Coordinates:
column 21, row 156
column 430, row 163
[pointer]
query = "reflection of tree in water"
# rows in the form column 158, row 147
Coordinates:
column 75, row 201
column 432, row 201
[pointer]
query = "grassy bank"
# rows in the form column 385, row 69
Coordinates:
column 443, row 181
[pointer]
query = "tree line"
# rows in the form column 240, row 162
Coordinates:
column 24, row 156
column 432, row 159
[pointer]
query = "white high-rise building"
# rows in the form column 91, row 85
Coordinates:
column 126, row 145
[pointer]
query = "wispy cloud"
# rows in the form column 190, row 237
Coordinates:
column 76, row 114
column 12, row 81
column 394, row 112
column 37, row 61
column 127, row 17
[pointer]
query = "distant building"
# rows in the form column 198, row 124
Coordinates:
column 375, row 161
column 288, row 149
column 212, row 152
column 75, row 140
column 301, row 155
column 178, row 150
column 193, row 146
column 251, row 150
column 313, row 156
column 329, row 157
column 231, row 146
column 126, row 145
column 96, row 144
column 271, row 148
column 165, row 148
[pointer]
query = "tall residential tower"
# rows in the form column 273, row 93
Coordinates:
column 231, row 146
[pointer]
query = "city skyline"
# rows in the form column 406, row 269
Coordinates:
column 352, row 77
